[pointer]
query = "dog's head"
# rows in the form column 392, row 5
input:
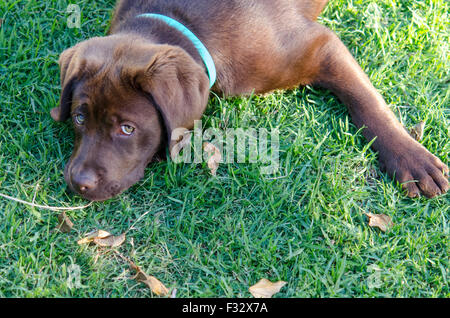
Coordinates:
column 125, row 96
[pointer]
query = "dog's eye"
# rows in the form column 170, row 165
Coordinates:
column 79, row 119
column 127, row 130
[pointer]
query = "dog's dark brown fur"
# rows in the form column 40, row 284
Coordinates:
column 148, row 75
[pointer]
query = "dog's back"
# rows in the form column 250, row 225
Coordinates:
column 250, row 40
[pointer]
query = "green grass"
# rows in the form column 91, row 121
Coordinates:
column 215, row 237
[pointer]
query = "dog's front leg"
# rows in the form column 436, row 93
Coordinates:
column 332, row 66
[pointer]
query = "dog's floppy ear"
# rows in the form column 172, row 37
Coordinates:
column 68, row 73
column 178, row 86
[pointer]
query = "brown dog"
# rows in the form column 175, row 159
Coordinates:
column 126, row 92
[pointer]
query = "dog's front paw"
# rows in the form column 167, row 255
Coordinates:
column 417, row 170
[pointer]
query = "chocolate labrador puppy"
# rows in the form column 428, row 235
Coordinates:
column 128, row 91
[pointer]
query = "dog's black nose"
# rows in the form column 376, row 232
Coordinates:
column 85, row 181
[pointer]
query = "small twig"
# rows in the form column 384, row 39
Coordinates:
column 53, row 208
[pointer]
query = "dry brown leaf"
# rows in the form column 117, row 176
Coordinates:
column 152, row 282
column 156, row 286
column 382, row 221
column 110, row 241
column 417, row 131
column 64, row 225
column 265, row 288
column 215, row 157
column 97, row 234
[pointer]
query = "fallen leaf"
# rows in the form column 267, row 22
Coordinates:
column 215, row 157
column 382, row 221
column 156, row 286
column 64, row 225
column 97, row 234
column 152, row 282
column 265, row 288
column 417, row 131
column 110, row 241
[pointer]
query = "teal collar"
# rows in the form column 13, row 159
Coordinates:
column 202, row 50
